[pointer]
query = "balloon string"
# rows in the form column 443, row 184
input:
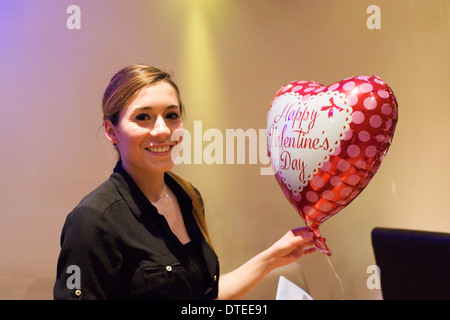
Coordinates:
column 337, row 277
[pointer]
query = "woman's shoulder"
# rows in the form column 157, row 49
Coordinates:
column 101, row 198
column 96, row 203
column 90, row 216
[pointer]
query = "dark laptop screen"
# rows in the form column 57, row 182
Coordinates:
column 413, row 264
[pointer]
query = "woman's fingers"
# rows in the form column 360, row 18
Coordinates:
column 306, row 235
column 300, row 231
column 303, row 233
column 309, row 250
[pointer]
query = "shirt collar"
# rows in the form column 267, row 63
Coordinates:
column 138, row 202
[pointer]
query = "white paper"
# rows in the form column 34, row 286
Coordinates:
column 288, row 290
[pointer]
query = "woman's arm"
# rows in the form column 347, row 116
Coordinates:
column 293, row 245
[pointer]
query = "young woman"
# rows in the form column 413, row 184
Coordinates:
column 142, row 233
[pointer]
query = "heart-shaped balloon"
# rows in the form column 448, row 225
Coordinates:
column 327, row 142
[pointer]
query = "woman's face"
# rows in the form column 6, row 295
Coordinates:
column 144, row 129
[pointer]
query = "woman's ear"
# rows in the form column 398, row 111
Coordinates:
column 110, row 132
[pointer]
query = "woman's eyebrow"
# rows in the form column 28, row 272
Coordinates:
column 172, row 106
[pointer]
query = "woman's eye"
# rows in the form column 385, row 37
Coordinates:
column 142, row 117
column 172, row 116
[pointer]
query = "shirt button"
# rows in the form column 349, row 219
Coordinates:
column 169, row 268
column 215, row 277
column 78, row 292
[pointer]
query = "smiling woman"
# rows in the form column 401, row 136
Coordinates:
column 142, row 233
column 140, row 203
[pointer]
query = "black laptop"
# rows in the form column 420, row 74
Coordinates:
column 413, row 264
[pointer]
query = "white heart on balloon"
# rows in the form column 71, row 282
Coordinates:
column 304, row 131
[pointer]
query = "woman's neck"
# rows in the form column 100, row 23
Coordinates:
column 151, row 183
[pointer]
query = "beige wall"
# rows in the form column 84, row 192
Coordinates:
column 229, row 59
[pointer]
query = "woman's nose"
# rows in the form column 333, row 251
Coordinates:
column 160, row 128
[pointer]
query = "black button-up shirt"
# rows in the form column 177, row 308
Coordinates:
column 115, row 245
